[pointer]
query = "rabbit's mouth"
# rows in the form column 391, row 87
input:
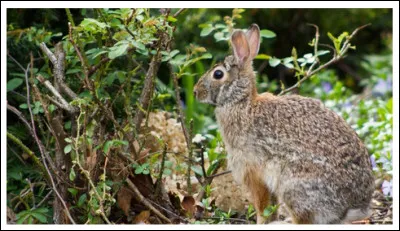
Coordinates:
column 203, row 96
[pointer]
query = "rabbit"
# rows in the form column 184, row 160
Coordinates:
column 290, row 146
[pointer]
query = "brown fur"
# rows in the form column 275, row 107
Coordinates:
column 289, row 146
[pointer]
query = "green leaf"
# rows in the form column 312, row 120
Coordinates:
column 73, row 191
column 267, row 34
column 287, row 60
column 91, row 21
column 206, row 30
column 117, row 51
column 72, row 174
column 197, row 170
column 107, row 146
column 40, row 217
column 167, row 172
column 171, row 19
column 342, row 36
column 289, row 65
column 206, row 56
column 173, row 53
column 23, row 106
column 68, row 140
column 14, row 83
column 262, row 56
column 322, row 52
column 67, row 148
column 219, row 36
column 138, row 45
column 219, row 26
column 81, row 200
column 273, row 62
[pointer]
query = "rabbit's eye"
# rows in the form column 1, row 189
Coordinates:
column 218, row 74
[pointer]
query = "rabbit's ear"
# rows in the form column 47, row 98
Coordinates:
column 241, row 48
column 253, row 38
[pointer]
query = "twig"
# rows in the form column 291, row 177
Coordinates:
column 145, row 202
column 62, row 102
column 45, row 198
column 178, row 12
column 202, row 161
column 170, row 212
column 42, row 152
column 30, row 154
column 83, row 63
column 148, row 88
column 315, row 48
column 189, row 185
column 208, row 181
column 33, row 194
column 219, row 174
column 159, row 180
column 336, row 57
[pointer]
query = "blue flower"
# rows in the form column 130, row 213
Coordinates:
column 387, row 188
column 326, row 86
column 373, row 162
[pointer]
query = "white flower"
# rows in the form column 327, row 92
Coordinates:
column 198, row 138
column 218, row 149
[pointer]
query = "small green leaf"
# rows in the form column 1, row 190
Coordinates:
column 171, row 19
column 287, row 60
column 67, row 148
column 73, row 191
column 40, row 217
column 262, row 56
column 197, row 170
column 138, row 45
column 273, row 62
column 206, row 30
column 14, row 83
column 23, row 106
column 206, row 56
column 219, row 36
column 167, row 172
column 289, row 65
column 81, row 200
column 219, row 26
column 322, row 52
column 267, row 34
column 107, row 146
column 68, row 140
column 72, row 174
column 117, row 51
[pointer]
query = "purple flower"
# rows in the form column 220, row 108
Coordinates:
column 387, row 188
column 373, row 162
column 382, row 86
column 326, row 86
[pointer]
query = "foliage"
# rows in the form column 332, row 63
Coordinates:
column 108, row 55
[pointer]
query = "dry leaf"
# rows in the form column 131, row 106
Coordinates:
column 143, row 217
column 188, row 203
column 124, row 198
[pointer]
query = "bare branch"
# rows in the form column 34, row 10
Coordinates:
column 178, row 12
column 62, row 102
column 145, row 202
column 42, row 151
column 49, row 54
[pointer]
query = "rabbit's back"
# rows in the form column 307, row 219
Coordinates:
column 310, row 154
